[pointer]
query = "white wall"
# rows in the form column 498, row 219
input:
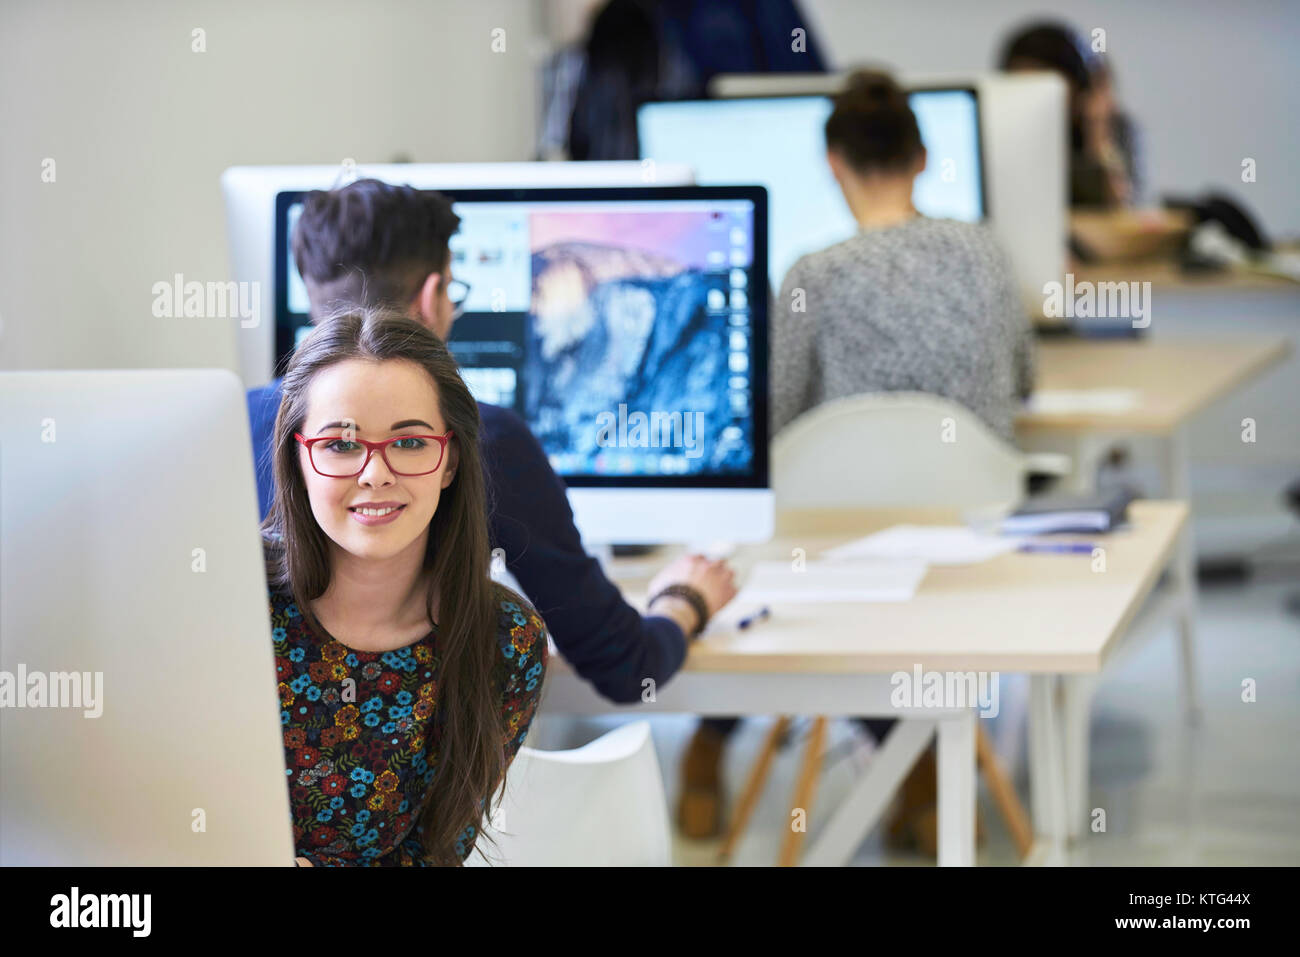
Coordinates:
column 140, row 128
column 1208, row 82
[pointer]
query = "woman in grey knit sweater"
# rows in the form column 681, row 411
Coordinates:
column 920, row 305
column 908, row 303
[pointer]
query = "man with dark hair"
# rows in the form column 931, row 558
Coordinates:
column 370, row 243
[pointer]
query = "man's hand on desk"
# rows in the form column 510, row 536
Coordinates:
column 714, row 580
column 303, row 862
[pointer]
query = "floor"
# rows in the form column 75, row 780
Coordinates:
column 1226, row 791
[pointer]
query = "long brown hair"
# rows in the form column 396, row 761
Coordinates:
column 470, row 747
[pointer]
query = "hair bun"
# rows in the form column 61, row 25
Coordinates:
column 873, row 87
column 872, row 124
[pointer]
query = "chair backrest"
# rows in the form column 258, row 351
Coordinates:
column 893, row 449
column 598, row 805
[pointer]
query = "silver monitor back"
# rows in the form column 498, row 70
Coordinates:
column 129, row 550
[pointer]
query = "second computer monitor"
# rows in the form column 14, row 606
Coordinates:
column 781, row 143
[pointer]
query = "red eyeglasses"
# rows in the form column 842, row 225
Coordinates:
column 334, row 456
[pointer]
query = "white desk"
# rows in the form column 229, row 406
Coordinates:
column 1046, row 615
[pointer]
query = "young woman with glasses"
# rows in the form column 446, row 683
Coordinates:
column 408, row 678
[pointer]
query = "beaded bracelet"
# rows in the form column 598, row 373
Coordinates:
column 693, row 598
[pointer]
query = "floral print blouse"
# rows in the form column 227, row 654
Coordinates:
column 356, row 764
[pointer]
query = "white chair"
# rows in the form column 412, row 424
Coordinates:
column 899, row 449
column 600, row 805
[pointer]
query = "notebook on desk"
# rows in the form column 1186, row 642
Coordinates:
column 1052, row 514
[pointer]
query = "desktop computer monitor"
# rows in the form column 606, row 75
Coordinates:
column 628, row 327
column 781, row 143
column 135, row 625
column 250, row 192
column 1023, row 126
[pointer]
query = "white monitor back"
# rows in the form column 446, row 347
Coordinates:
column 130, row 549
column 250, row 193
column 1026, row 125
column 728, row 85
column 1023, row 125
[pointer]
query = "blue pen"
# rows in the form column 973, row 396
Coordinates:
column 757, row 616
column 1057, row 548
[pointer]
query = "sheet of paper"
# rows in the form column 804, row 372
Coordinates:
column 1089, row 401
column 935, row 544
column 847, row 581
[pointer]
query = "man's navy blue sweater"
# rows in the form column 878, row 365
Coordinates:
column 603, row 637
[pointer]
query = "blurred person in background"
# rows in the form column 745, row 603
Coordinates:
column 1104, row 156
column 636, row 51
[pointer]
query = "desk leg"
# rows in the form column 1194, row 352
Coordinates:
column 804, row 790
column 1046, row 765
column 1182, row 571
column 957, row 789
column 853, row 820
column 1075, row 701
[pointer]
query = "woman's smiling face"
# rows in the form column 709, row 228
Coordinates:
column 374, row 400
